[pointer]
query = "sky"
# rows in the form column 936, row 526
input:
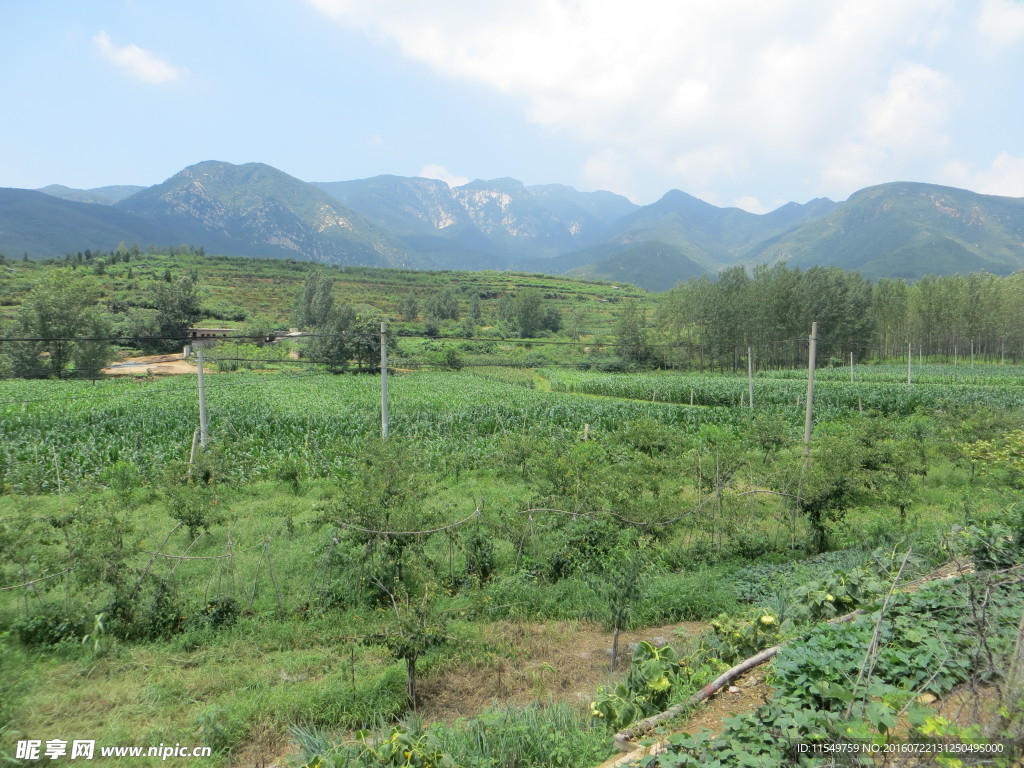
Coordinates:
column 748, row 103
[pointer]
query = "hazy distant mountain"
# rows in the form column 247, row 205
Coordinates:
column 98, row 195
column 711, row 236
column 901, row 229
column 257, row 210
column 502, row 218
column 43, row 225
column 908, row 230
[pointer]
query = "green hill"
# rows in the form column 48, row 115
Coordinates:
column 652, row 266
column 908, row 230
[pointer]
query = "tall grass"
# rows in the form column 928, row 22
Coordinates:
column 537, row 736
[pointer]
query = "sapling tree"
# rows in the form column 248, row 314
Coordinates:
column 620, row 585
column 378, row 508
column 417, row 627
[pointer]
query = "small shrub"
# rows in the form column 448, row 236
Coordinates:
column 220, row 612
column 480, row 556
column 993, row 546
column 290, row 472
column 49, row 628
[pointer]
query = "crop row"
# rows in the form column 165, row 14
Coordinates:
column 60, row 433
column 993, row 375
column 884, row 396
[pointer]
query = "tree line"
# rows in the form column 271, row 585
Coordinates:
column 709, row 323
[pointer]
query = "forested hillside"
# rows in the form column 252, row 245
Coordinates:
column 701, row 324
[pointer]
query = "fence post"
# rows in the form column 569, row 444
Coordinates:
column 202, row 400
column 384, row 380
column 809, row 413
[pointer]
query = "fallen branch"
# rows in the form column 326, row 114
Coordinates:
column 624, row 739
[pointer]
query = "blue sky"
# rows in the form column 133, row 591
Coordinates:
column 739, row 102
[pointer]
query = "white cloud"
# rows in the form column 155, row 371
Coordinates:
column 139, row 63
column 607, row 169
column 1001, row 22
column 910, row 114
column 695, row 94
column 1005, row 176
column 441, row 173
column 900, row 125
column 750, row 204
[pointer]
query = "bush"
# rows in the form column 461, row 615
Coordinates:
column 153, row 614
column 480, row 556
column 49, row 628
column 220, row 612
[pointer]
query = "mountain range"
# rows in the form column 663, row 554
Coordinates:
column 901, row 229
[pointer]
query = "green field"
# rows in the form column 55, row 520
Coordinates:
column 303, row 590
column 285, row 502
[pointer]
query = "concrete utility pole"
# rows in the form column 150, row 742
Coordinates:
column 750, row 377
column 809, row 413
column 910, row 356
column 383, row 380
column 202, row 400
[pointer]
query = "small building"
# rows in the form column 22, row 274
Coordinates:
column 207, row 337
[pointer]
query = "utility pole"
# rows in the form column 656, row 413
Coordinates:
column 383, row 380
column 809, row 413
column 750, row 377
column 202, row 400
column 851, row 366
column 910, row 356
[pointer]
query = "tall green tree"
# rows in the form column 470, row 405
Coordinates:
column 443, row 305
column 530, row 314
column 409, row 309
column 889, row 313
column 631, row 334
column 348, row 335
column 177, row 309
column 314, row 303
column 59, row 330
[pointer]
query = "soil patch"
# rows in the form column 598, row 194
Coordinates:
column 563, row 661
column 151, row 365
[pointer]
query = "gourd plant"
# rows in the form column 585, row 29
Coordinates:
column 652, row 674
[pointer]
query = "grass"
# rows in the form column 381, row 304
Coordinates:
column 301, row 465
